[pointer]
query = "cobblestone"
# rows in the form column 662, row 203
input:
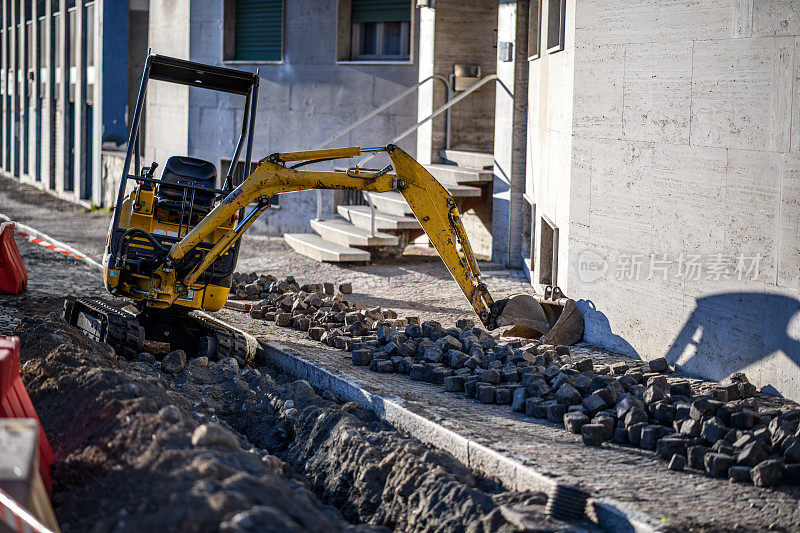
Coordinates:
column 638, row 478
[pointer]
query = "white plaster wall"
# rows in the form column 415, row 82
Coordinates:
column 550, row 89
column 684, row 142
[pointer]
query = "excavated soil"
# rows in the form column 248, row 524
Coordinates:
column 214, row 447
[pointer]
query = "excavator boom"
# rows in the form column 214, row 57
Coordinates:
column 433, row 206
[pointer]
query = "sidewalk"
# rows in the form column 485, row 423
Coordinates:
column 637, row 478
column 58, row 218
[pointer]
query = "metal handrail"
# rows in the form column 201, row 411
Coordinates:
column 442, row 109
column 435, row 114
column 388, row 104
column 379, row 110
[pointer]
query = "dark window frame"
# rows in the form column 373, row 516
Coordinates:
column 346, row 43
column 555, row 39
column 534, row 30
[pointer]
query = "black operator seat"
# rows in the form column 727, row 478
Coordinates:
column 187, row 171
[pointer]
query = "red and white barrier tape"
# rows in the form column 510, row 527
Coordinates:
column 18, row 518
column 49, row 245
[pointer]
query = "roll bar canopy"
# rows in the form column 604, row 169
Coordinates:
column 212, row 77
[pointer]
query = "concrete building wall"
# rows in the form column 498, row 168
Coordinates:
column 683, row 173
column 548, row 189
column 303, row 100
column 459, row 31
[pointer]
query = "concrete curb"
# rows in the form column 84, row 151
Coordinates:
column 607, row 513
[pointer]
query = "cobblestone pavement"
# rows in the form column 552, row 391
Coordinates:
column 411, row 285
column 685, row 500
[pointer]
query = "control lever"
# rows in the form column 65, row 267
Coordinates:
column 148, row 172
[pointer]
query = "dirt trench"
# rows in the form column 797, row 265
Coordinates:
column 216, row 448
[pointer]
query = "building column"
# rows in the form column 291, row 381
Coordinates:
column 79, row 146
column 47, row 82
column 22, row 87
column 62, row 117
column 4, row 90
column 34, row 90
column 427, row 33
column 13, row 58
column 95, row 93
column 511, row 109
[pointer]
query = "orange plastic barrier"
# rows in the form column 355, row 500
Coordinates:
column 15, row 402
column 13, row 277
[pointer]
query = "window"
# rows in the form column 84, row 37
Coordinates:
column 548, row 253
column 534, row 29
column 225, row 164
column 374, row 30
column 556, row 11
column 253, row 30
column 528, row 233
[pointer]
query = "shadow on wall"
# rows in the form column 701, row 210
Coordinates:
column 730, row 331
column 598, row 328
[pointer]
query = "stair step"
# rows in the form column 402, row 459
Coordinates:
column 313, row 246
column 340, row 231
column 459, row 174
column 457, row 190
column 391, row 202
column 359, row 216
column 465, row 158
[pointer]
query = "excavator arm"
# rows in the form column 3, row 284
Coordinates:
column 179, row 269
column 433, row 206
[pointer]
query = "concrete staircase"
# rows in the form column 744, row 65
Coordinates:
column 347, row 238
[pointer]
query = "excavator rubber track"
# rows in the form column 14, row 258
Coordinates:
column 104, row 323
column 126, row 333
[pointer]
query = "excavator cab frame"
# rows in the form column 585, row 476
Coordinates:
column 123, row 235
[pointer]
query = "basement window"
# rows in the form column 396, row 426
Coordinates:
column 374, row 30
column 534, row 29
column 556, row 13
column 528, row 234
column 238, row 177
column 548, row 253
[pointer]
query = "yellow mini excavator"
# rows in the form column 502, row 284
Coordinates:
column 173, row 242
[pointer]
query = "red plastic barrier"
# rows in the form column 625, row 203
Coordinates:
column 15, row 402
column 13, row 277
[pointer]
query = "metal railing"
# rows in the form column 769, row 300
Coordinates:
column 379, row 110
column 439, row 111
column 445, row 108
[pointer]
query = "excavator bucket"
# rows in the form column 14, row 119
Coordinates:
column 552, row 318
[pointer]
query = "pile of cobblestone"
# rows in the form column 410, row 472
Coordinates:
column 722, row 429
